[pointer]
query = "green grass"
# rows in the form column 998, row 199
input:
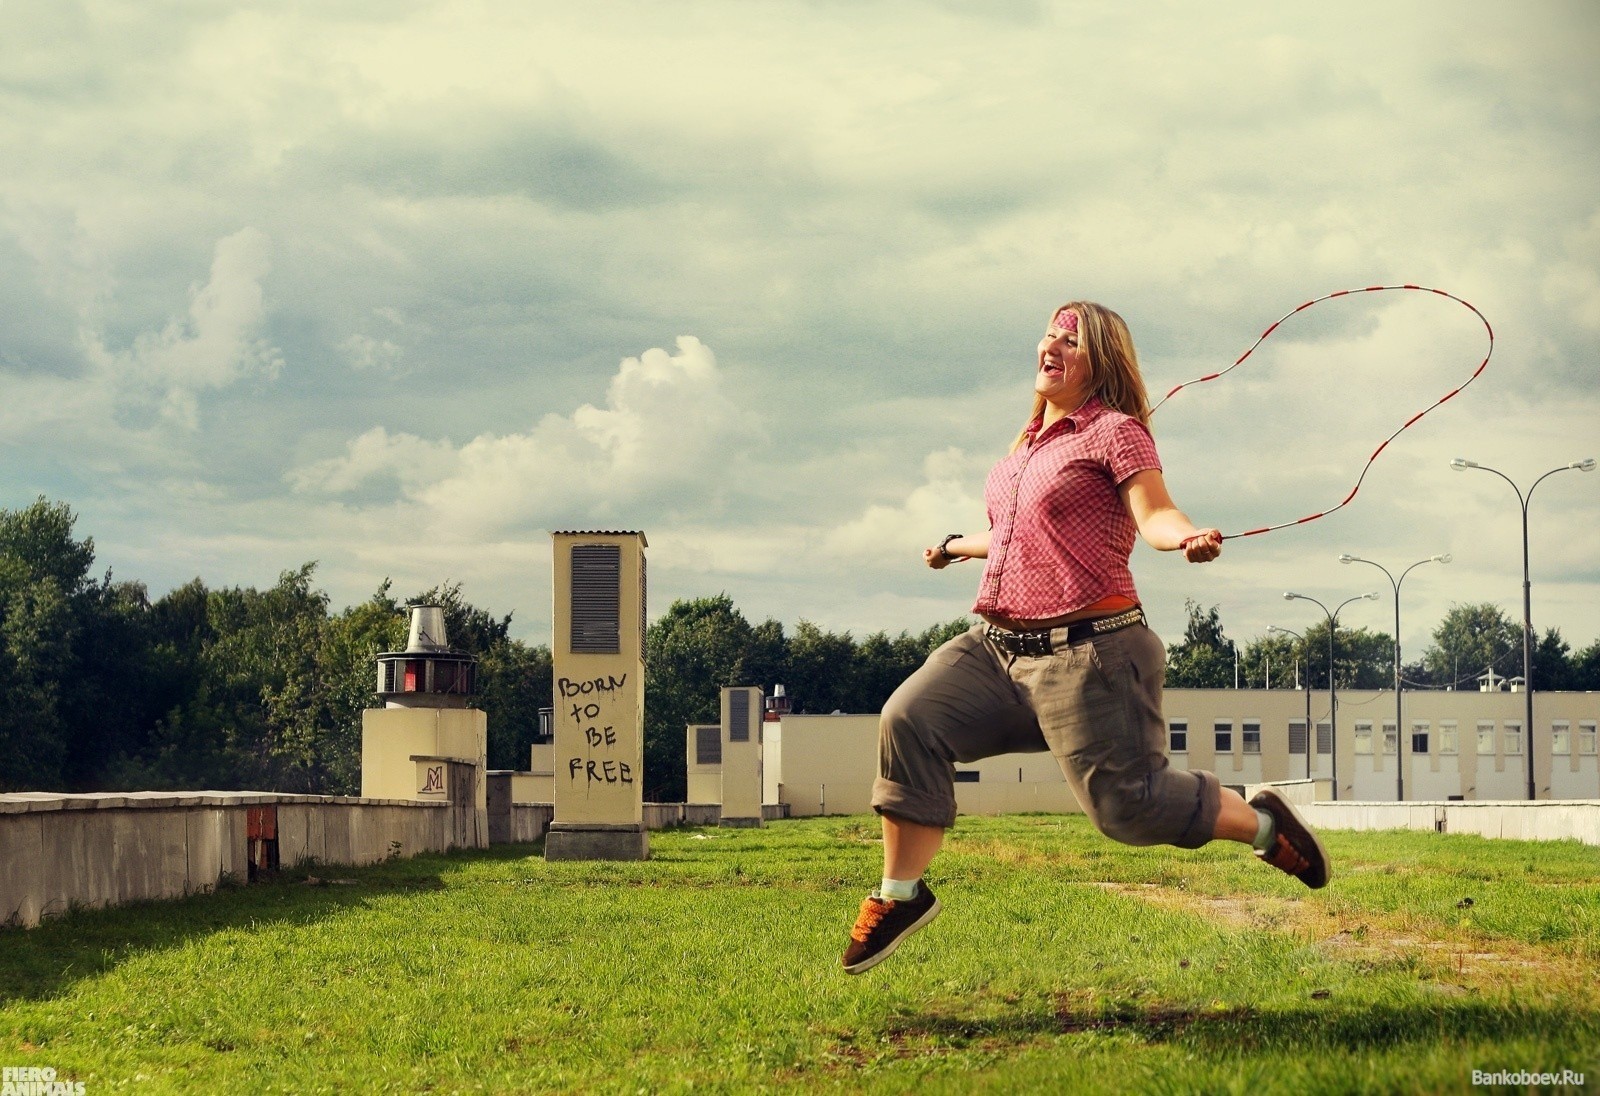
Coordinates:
column 1063, row 962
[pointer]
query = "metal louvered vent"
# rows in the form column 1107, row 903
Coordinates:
column 708, row 745
column 643, row 620
column 596, row 598
column 739, row 716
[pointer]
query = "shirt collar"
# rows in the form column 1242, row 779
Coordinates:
column 1092, row 409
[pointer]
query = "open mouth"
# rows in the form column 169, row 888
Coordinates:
column 1051, row 369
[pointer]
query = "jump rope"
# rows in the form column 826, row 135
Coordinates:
column 1403, row 427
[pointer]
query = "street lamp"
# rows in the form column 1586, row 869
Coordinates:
column 1333, row 699
column 1399, row 725
column 1304, row 646
column 1461, row 464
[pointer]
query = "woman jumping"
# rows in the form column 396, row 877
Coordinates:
column 1063, row 660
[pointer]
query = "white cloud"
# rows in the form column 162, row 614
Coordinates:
column 868, row 213
column 948, row 499
column 215, row 344
column 666, row 426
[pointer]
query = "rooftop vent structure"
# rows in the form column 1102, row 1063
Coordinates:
column 427, row 674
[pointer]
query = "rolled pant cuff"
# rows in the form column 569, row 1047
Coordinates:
column 1203, row 825
column 914, row 805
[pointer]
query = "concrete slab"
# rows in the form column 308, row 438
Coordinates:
column 595, row 841
column 22, row 882
column 204, row 832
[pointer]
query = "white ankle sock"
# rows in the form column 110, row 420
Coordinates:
column 1265, row 831
column 898, row 890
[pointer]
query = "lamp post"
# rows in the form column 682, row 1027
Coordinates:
column 1333, row 698
column 1461, row 464
column 1306, row 647
column 1399, row 725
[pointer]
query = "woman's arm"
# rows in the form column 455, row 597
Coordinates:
column 961, row 548
column 1163, row 526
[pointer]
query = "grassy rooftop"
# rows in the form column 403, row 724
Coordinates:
column 1063, row 962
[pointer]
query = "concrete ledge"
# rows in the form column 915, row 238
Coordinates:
column 64, row 851
column 1542, row 820
column 701, row 814
column 596, row 841
column 32, row 802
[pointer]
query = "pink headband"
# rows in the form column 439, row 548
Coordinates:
column 1064, row 320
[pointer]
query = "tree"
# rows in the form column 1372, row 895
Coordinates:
column 1273, row 659
column 823, row 669
column 1586, row 668
column 351, row 643
column 46, row 600
column 695, row 649
column 1553, row 667
column 1204, row 660
column 1471, row 640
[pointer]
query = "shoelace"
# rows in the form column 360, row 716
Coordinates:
column 1284, row 858
column 872, row 912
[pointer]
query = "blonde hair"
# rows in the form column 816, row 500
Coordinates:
column 1113, row 365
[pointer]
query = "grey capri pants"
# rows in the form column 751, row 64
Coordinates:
column 1095, row 705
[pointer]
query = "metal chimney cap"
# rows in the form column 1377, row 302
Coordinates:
column 427, row 630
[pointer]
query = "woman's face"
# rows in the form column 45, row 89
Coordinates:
column 1063, row 373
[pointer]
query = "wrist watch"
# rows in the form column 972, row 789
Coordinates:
column 944, row 549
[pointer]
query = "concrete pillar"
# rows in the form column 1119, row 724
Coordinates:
column 598, row 669
column 741, row 756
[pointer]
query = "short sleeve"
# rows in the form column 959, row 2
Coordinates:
column 1131, row 450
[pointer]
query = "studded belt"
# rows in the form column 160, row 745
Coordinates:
column 1048, row 640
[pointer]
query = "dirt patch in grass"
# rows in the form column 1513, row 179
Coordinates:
column 1463, row 959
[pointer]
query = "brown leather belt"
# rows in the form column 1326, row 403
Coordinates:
column 1049, row 640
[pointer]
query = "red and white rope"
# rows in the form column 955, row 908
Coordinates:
column 1403, row 426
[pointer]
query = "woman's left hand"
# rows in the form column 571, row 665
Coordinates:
column 1203, row 547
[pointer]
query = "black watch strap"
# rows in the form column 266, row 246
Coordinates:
column 944, row 546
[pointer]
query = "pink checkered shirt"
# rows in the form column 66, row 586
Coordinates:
column 1060, row 536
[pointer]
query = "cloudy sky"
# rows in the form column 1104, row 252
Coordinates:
column 400, row 287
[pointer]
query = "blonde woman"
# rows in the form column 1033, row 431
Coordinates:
column 1063, row 660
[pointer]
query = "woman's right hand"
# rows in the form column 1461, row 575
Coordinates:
column 934, row 557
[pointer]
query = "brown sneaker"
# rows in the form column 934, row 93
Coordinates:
column 1295, row 848
column 883, row 923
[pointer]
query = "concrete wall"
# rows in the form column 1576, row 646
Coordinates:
column 1538, row 821
column 830, row 761
column 61, row 851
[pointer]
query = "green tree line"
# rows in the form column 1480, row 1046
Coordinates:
column 103, row 688
column 1471, row 640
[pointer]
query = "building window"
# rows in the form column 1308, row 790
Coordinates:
column 1363, row 736
column 1224, row 731
column 967, row 776
column 1447, row 736
column 1586, row 738
column 1178, row 735
column 1389, row 737
column 1513, row 737
column 1251, row 730
column 1324, row 738
column 1561, row 738
column 1419, row 736
column 1485, row 738
column 1297, row 736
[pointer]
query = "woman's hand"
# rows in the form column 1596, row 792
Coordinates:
column 956, row 549
column 1203, row 547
